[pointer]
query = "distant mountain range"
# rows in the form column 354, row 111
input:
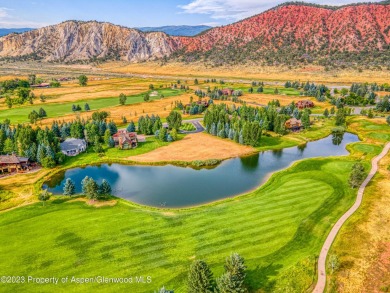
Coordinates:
column 177, row 30
column 290, row 33
column 172, row 30
column 6, row 31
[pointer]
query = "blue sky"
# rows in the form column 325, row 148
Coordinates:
column 135, row 13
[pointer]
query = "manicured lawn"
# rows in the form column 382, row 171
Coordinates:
column 188, row 127
column 20, row 114
column 276, row 226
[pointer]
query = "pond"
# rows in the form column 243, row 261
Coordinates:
column 176, row 187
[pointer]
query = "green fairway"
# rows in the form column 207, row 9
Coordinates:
column 20, row 114
column 273, row 228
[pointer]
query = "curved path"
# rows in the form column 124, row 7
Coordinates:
column 320, row 287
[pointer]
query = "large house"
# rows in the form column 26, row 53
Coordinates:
column 13, row 163
column 227, row 92
column 127, row 140
column 294, row 124
column 73, row 146
column 304, row 104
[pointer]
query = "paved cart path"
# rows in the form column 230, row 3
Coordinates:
column 320, row 287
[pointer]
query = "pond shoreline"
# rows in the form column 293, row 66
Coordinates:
column 200, row 187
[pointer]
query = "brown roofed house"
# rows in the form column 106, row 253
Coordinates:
column 227, row 92
column 304, row 104
column 13, row 163
column 294, row 124
column 125, row 140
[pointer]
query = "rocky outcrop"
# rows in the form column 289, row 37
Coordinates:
column 349, row 28
column 75, row 40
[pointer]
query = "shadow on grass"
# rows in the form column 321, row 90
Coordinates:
column 260, row 277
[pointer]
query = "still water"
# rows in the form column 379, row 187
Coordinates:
column 171, row 186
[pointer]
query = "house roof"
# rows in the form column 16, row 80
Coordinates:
column 293, row 122
column 12, row 159
column 72, row 144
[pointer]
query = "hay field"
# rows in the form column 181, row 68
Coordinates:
column 193, row 147
column 248, row 72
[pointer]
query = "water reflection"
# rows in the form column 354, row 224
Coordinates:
column 337, row 137
column 172, row 186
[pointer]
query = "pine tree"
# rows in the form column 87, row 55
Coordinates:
column 131, row 127
column 173, row 134
column 163, row 134
column 107, row 136
column 357, row 175
column 122, row 99
column 200, row 278
column 235, row 267
column 340, row 117
column 86, row 107
column 90, row 188
column 105, row 188
column 69, row 187
column 44, row 196
column 111, row 142
column 326, row 113
column 306, row 119
column 98, row 146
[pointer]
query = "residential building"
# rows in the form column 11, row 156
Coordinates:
column 73, row 146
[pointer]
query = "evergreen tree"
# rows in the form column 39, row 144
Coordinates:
column 357, row 175
column 163, row 134
column 340, row 117
column 76, row 130
column 200, row 278
column 98, row 146
column 86, row 107
column 107, row 136
column 105, row 188
column 44, row 196
column 90, row 188
column 111, row 142
column 8, row 146
column 174, row 120
column 122, row 99
column 296, row 113
column 174, row 134
column 33, row 116
column 305, row 119
column 83, row 80
column 131, row 127
column 112, row 127
column 326, row 113
column 69, row 187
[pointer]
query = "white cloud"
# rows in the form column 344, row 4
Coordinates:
column 233, row 10
column 7, row 20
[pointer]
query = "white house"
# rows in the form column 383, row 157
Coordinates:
column 73, row 146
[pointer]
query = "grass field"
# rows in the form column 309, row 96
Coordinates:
column 251, row 72
column 363, row 243
column 273, row 228
column 278, row 228
column 57, row 110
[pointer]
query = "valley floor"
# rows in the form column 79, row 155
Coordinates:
column 278, row 228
